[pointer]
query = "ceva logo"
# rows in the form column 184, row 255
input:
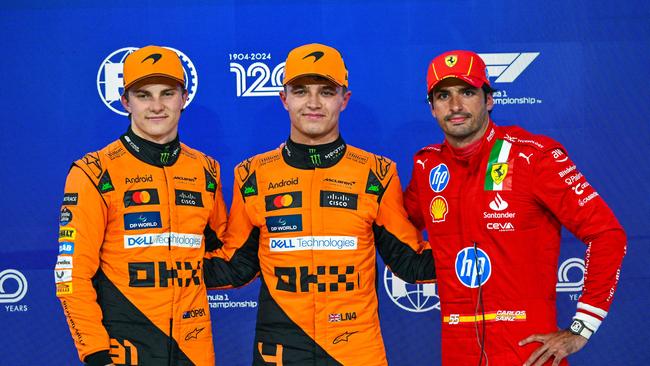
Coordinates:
column 110, row 78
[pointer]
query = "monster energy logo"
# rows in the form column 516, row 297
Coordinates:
column 373, row 188
column 314, row 157
column 211, row 185
column 164, row 157
column 249, row 190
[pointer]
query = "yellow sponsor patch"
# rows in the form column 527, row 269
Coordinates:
column 67, row 233
column 498, row 172
column 64, row 288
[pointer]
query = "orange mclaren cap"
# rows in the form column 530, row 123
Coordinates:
column 152, row 61
column 463, row 65
column 315, row 59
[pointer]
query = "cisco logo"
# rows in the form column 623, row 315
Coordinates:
column 416, row 298
column 110, row 78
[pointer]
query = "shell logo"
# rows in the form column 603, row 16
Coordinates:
column 284, row 200
column 439, row 208
column 141, row 197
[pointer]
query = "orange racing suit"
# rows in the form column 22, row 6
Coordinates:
column 135, row 223
column 310, row 221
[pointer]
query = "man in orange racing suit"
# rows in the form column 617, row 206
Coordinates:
column 309, row 216
column 493, row 200
column 137, row 218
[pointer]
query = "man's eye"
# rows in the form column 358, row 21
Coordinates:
column 141, row 95
column 442, row 96
column 469, row 92
column 328, row 92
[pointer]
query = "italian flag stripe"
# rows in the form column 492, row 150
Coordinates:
column 499, row 154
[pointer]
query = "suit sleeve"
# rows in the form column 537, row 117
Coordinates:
column 235, row 263
column 575, row 203
column 397, row 239
column 411, row 202
column 216, row 226
column 83, row 221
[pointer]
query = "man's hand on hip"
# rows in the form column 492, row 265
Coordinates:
column 557, row 345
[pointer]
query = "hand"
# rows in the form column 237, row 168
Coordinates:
column 558, row 345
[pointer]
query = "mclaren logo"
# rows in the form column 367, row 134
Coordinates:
column 316, row 55
column 154, row 56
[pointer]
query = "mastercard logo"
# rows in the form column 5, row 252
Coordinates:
column 141, row 197
column 283, row 200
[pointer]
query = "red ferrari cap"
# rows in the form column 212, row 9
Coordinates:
column 459, row 64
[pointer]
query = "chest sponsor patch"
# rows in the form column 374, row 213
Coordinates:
column 66, row 247
column 64, row 262
column 313, row 243
column 62, row 275
column 141, row 197
column 473, row 267
column 283, row 200
column 142, row 220
column 70, row 199
column 179, row 240
column 188, row 198
column 438, row 209
column 498, row 175
column 338, row 199
column 282, row 224
column 439, row 178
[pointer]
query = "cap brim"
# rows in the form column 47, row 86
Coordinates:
column 475, row 82
column 312, row 74
column 165, row 76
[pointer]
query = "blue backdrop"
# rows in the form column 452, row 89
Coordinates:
column 575, row 70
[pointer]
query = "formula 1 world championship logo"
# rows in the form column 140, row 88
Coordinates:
column 506, row 67
column 110, row 84
column 416, row 298
column 18, row 290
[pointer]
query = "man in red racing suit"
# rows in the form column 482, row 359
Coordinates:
column 493, row 200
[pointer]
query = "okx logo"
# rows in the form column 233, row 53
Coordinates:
column 506, row 67
column 110, row 83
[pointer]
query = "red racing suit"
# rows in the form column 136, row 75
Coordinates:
column 494, row 222
column 133, row 234
column 311, row 226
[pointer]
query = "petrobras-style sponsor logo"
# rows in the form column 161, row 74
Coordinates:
column 188, row 198
column 110, row 79
column 255, row 75
column 66, row 247
column 283, row 183
column 473, row 267
column 287, row 223
column 571, row 275
column 439, row 178
column 338, row 199
column 64, row 262
column 416, row 298
column 313, row 243
column 139, row 179
column 180, row 240
column 583, row 201
column 194, row 313
column 12, row 294
column 566, row 171
column 498, row 203
column 500, row 226
column 70, row 199
column 559, row 156
column 142, row 220
column 62, row 275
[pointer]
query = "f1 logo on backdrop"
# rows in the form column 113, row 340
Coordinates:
column 20, row 290
column 416, row 298
column 110, row 78
column 506, row 67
